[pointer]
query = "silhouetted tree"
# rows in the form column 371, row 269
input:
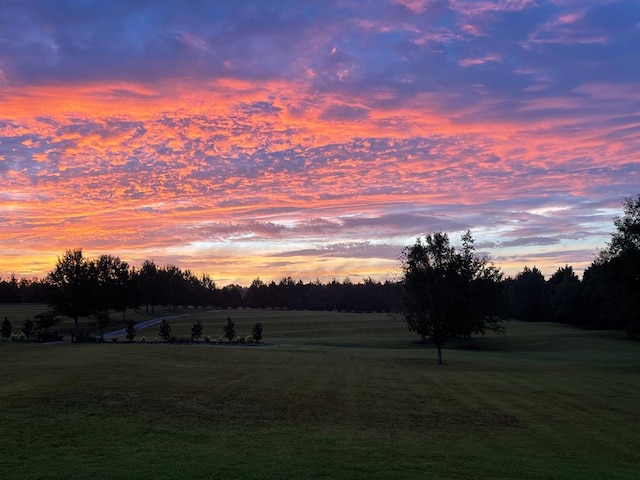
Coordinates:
column 230, row 296
column 113, row 279
column 229, row 329
column 446, row 290
column 196, row 330
column 612, row 282
column 165, row 330
column 527, row 295
column 131, row 330
column 27, row 328
column 256, row 332
column 6, row 328
column 564, row 296
column 46, row 320
column 74, row 280
column 148, row 283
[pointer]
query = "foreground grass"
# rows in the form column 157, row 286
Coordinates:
column 334, row 396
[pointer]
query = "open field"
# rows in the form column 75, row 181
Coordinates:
column 335, row 395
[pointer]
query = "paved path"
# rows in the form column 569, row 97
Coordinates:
column 140, row 326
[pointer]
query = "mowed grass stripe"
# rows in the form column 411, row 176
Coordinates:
column 358, row 401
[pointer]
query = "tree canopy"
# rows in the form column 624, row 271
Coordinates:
column 449, row 292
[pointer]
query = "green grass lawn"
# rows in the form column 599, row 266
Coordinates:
column 333, row 395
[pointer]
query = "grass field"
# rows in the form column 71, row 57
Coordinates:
column 334, row 395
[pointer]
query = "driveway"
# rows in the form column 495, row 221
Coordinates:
column 139, row 326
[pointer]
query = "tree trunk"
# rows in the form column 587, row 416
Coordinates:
column 439, row 354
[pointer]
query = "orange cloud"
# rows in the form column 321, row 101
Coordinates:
column 136, row 168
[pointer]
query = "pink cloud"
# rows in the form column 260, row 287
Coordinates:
column 193, row 41
column 472, row 61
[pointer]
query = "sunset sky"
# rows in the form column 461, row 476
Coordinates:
column 314, row 139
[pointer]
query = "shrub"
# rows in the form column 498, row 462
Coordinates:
column 131, row 330
column 207, row 339
column 155, row 339
column 256, row 331
column 220, row 339
column 165, row 331
column 230, row 329
column 20, row 337
column 196, row 330
column 46, row 320
column 249, row 339
column 143, row 339
column 6, row 328
column 27, row 327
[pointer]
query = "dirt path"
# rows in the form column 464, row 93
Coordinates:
column 141, row 325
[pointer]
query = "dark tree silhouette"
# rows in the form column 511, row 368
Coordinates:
column 448, row 292
column 148, row 283
column 527, row 295
column 131, row 330
column 6, row 328
column 196, row 330
column 229, row 329
column 564, row 296
column 74, row 280
column 27, row 328
column 113, row 278
column 612, row 282
column 165, row 331
column 256, row 332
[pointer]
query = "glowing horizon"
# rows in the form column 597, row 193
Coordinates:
column 275, row 139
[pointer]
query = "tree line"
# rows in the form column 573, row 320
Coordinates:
column 607, row 296
column 81, row 287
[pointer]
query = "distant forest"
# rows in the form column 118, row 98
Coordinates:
column 607, row 296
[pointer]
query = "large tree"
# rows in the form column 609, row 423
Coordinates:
column 113, row 279
column 527, row 295
column 564, row 296
column 612, row 282
column 74, row 282
column 148, row 284
column 449, row 292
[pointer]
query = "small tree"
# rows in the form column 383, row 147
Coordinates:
column 6, row 328
column 27, row 328
column 230, row 329
column 196, row 330
column 165, row 331
column 131, row 330
column 256, row 332
column 46, row 320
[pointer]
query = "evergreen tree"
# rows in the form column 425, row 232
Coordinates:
column 165, row 331
column 230, row 329
column 131, row 330
column 256, row 332
column 196, row 330
column 27, row 328
column 6, row 328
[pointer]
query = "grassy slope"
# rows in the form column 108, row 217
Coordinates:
column 337, row 396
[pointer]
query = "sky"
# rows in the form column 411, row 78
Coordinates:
column 314, row 139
